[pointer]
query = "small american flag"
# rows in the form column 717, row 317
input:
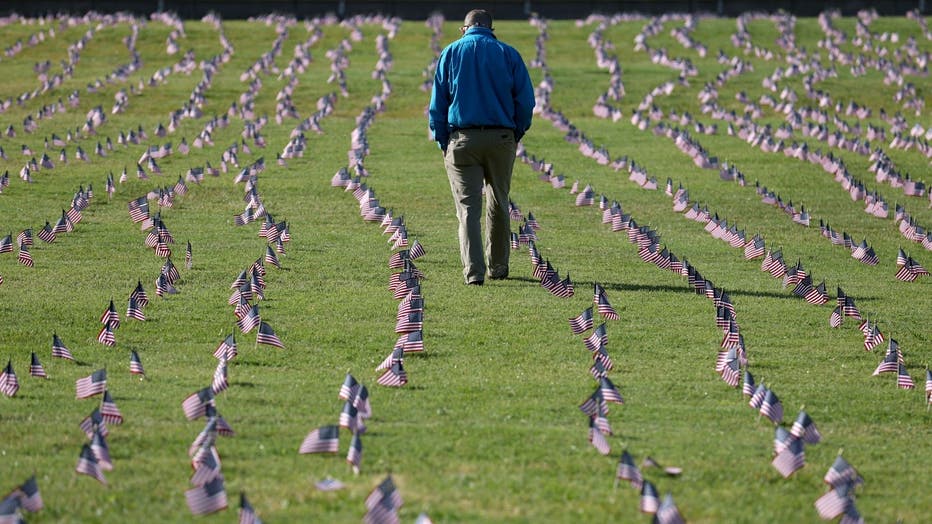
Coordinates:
column 668, row 513
column 411, row 342
column 109, row 410
column 35, row 368
column 599, row 337
column 757, row 399
column 47, row 234
column 94, row 423
column 889, row 364
column 604, row 307
column 271, row 257
column 597, row 438
column 609, row 392
column 105, row 336
column 9, row 384
column 227, row 348
column 903, row 380
column 195, row 405
column 841, row 473
column 171, row 272
column 250, row 320
column 349, row 388
column 792, row 458
column 749, row 387
column 29, row 497
column 771, row 407
column 139, row 294
column 397, row 355
column 24, row 257
column 354, row 453
column 833, row 503
column 627, row 470
column 395, row 376
column 267, row 336
column 650, row 501
column 325, row 439
column 101, row 451
column 805, row 428
column 247, row 515
column 929, row 385
column 135, row 364
column 209, row 498
column 6, row 244
column 138, row 209
column 410, row 323
column 87, row 465
column 94, row 384
column 220, row 382
column 206, row 464
column 581, row 323
column 134, row 311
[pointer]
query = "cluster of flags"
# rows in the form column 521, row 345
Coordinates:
column 910, row 229
column 94, row 458
column 841, row 479
column 908, row 269
column 543, row 270
column 356, row 410
column 24, row 497
column 383, row 503
column 48, row 233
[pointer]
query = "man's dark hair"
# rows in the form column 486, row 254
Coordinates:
column 478, row 17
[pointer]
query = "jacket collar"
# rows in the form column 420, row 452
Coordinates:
column 479, row 30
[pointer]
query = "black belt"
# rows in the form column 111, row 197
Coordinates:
column 482, row 128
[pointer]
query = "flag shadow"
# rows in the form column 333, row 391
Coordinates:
column 618, row 286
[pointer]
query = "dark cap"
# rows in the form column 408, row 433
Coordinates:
column 479, row 17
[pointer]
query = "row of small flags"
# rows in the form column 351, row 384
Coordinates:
column 208, row 492
column 384, row 502
column 405, row 285
column 543, row 270
column 596, row 405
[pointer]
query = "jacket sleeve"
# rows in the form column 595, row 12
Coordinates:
column 440, row 104
column 523, row 93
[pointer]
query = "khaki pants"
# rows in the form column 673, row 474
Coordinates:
column 477, row 161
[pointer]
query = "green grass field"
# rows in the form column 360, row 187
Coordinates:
column 487, row 428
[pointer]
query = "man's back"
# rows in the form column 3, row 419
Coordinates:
column 481, row 81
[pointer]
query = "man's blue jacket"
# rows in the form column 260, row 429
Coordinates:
column 480, row 81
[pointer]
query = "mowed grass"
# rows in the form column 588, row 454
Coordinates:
column 488, row 428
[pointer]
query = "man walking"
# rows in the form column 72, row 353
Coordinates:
column 480, row 108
